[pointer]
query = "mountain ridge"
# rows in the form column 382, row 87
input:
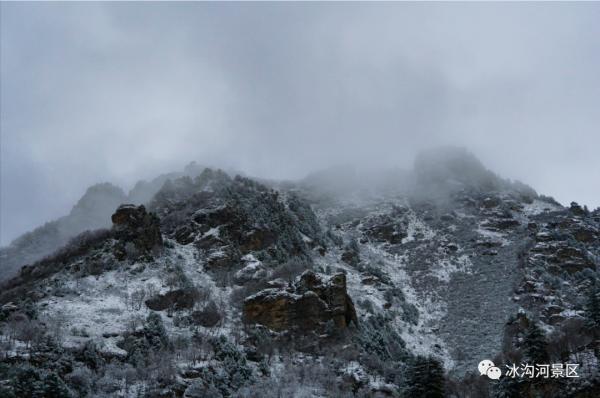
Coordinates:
column 453, row 268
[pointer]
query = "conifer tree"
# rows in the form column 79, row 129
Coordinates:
column 26, row 382
column 535, row 345
column 155, row 331
column 509, row 388
column 425, row 378
column 592, row 308
column 54, row 387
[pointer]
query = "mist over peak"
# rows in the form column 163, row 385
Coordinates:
column 325, row 199
column 279, row 90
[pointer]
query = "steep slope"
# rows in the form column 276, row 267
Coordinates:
column 91, row 212
column 441, row 260
column 223, row 286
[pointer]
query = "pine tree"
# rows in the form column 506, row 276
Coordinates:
column 6, row 392
column 509, row 388
column 535, row 345
column 592, row 308
column 155, row 331
column 89, row 355
column 54, row 387
column 425, row 379
column 26, row 382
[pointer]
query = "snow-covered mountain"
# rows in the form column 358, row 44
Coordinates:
column 91, row 212
column 346, row 283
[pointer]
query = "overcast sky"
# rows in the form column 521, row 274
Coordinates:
column 116, row 92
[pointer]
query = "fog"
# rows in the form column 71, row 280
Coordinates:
column 118, row 92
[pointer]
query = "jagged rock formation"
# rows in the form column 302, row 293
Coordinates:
column 306, row 305
column 222, row 285
column 559, row 263
column 91, row 212
column 143, row 191
column 136, row 231
column 175, row 299
column 229, row 218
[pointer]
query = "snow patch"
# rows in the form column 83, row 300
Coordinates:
column 538, row 207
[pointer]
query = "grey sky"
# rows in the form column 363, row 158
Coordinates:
column 117, row 92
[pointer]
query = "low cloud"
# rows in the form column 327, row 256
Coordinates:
column 117, row 92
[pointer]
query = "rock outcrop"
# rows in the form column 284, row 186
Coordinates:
column 137, row 231
column 91, row 212
column 175, row 299
column 306, row 305
column 227, row 218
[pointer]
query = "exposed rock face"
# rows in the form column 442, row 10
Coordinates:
column 498, row 224
column 227, row 218
column 564, row 249
column 208, row 317
column 176, row 299
column 386, row 232
column 566, row 245
column 305, row 306
column 137, row 231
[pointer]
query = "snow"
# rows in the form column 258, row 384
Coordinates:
column 538, row 207
column 214, row 232
column 446, row 267
column 589, row 364
column 421, row 338
column 417, row 226
column 103, row 308
column 570, row 313
column 109, row 347
column 493, row 236
column 251, row 269
column 305, row 238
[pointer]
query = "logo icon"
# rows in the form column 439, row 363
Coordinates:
column 487, row 367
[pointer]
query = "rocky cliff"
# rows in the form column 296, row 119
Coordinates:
column 224, row 286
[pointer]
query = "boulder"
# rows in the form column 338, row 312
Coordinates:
column 208, row 317
column 178, row 299
column 307, row 305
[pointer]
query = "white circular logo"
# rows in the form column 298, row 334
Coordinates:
column 487, row 367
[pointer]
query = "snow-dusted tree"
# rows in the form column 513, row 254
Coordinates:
column 54, row 387
column 155, row 331
column 425, row 378
column 137, row 298
column 592, row 307
column 535, row 346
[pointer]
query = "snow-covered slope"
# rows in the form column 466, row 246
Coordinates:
column 445, row 269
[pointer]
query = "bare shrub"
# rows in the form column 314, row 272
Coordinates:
column 137, row 298
column 21, row 328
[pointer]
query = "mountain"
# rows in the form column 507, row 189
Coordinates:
column 346, row 283
column 91, row 212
